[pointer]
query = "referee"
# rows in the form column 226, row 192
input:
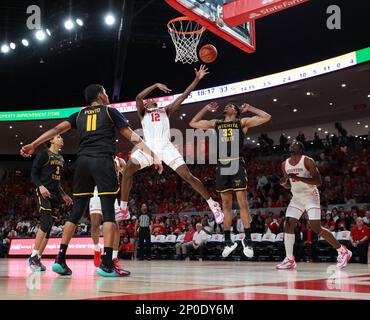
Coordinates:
column 143, row 223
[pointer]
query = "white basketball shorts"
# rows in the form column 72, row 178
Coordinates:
column 166, row 153
column 309, row 202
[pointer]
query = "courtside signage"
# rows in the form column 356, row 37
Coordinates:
column 77, row 246
column 37, row 114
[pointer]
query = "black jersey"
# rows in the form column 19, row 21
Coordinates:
column 46, row 170
column 230, row 139
column 96, row 127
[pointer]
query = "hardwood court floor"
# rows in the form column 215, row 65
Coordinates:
column 162, row 280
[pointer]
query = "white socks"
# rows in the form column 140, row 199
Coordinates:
column 289, row 240
column 115, row 254
column 34, row 253
column 123, row 205
column 96, row 247
column 211, row 202
column 341, row 249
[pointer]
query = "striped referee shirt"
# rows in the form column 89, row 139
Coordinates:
column 144, row 220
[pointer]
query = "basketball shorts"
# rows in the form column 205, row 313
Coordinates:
column 95, row 204
column 309, row 202
column 93, row 171
column 234, row 182
column 48, row 205
column 166, row 152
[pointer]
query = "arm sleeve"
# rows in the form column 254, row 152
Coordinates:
column 72, row 120
column 40, row 160
column 118, row 119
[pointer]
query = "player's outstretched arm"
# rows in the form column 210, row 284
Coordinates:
column 197, row 121
column 136, row 140
column 314, row 171
column 143, row 94
column 61, row 128
column 260, row 117
column 199, row 75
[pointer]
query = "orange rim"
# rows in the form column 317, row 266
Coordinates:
column 201, row 30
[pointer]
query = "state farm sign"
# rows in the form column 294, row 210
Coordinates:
column 241, row 11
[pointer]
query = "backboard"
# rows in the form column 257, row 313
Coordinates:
column 209, row 13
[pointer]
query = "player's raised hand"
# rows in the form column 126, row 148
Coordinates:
column 27, row 150
column 245, row 107
column 163, row 88
column 213, row 106
column 203, row 70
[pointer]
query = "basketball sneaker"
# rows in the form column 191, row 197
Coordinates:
column 287, row 264
column 229, row 247
column 60, row 267
column 111, row 271
column 97, row 258
column 42, row 267
column 34, row 263
column 217, row 212
column 119, row 266
column 248, row 248
column 343, row 258
column 123, row 214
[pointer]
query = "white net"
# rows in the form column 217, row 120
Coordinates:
column 185, row 34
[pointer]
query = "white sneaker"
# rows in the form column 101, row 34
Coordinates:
column 247, row 249
column 229, row 247
column 122, row 214
column 217, row 212
column 343, row 258
column 287, row 264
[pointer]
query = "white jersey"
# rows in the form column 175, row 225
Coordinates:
column 156, row 126
column 298, row 187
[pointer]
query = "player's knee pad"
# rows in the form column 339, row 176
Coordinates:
column 107, row 206
column 46, row 222
column 79, row 207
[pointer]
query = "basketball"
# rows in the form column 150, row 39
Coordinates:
column 208, row 53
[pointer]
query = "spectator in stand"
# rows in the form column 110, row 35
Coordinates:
column 206, row 226
column 183, row 248
column 366, row 218
column 271, row 226
column 335, row 214
column 328, row 223
column 258, row 224
column 126, row 250
column 308, row 244
column 199, row 241
column 360, row 240
column 341, row 223
column 301, row 137
column 283, row 142
column 158, row 227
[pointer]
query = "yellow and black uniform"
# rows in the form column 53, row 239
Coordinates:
column 95, row 158
column 46, row 171
column 230, row 173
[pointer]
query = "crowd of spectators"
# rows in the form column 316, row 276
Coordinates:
column 345, row 171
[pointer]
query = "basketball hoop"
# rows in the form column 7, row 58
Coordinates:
column 185, row 34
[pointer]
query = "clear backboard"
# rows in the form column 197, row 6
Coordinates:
column 209, row 14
